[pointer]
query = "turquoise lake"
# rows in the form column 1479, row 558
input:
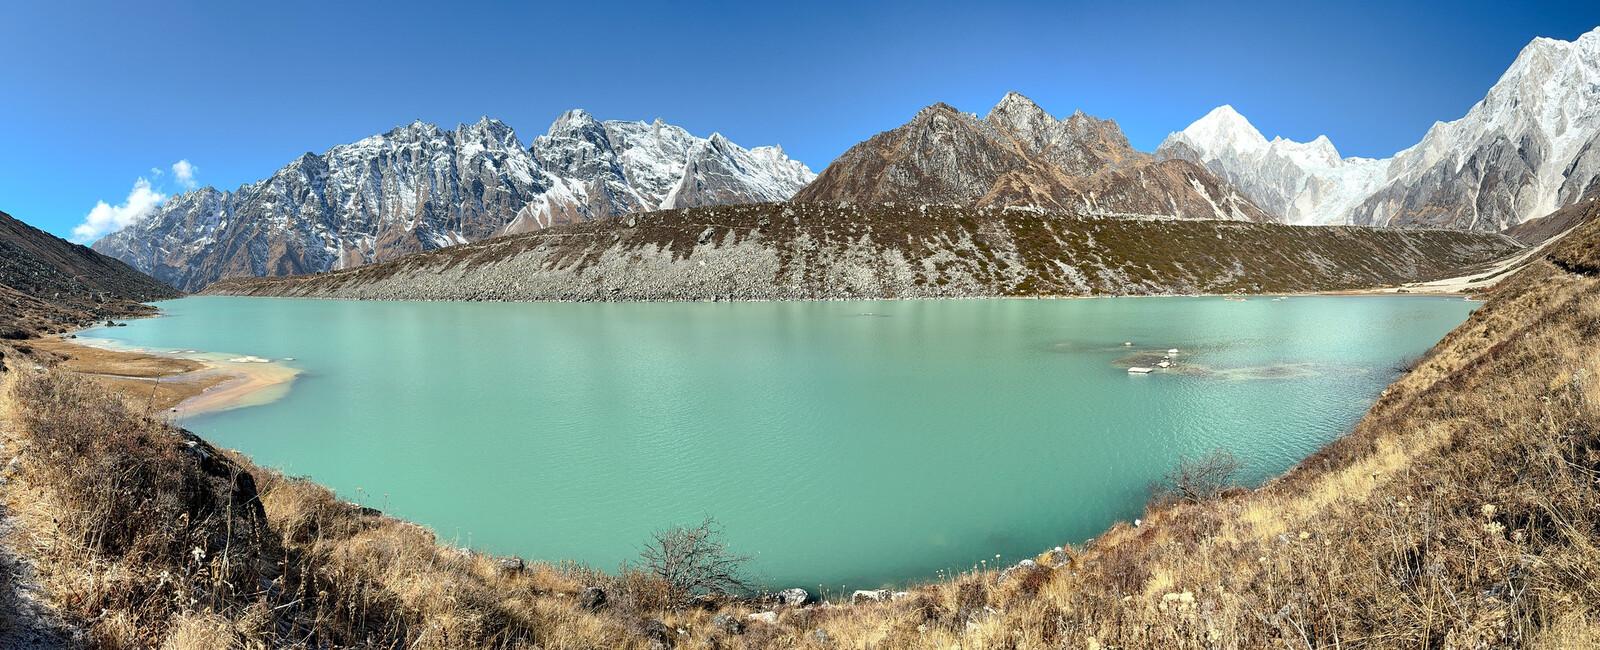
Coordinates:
column 843, row 445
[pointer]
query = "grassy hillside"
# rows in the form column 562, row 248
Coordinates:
column 806, row 251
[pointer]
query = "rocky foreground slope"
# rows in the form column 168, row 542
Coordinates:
column 418, row 187
column 48, row 284
column 818, row 251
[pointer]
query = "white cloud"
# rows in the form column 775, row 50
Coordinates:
column 106, row 219
column 184, row 172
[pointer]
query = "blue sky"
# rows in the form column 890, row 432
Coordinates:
column 97, row 95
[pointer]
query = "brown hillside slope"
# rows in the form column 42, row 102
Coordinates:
column 808, row 251
column 1461, row 512
column 48, row 284
column 1537, row 231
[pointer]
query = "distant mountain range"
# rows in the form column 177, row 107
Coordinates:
column 1019, row 155
column 1531, row 146
column 419, row 187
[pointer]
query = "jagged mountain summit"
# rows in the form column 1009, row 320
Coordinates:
column 609, row 168
column 1531, row 146
column 419, row 187
column 1019, row 155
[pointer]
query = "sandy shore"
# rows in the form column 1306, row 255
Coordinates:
column 182, row 383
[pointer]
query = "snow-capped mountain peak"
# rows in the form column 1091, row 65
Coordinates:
column 1225, row 127
column 1299, row 182
column 1530, row 146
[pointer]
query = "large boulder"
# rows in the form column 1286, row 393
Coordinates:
column 792, row 597
column 869, row 596
column 592, row 598
column 655, row 633
column 727, row 623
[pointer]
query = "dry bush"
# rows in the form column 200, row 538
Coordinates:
column 126, row 476
column 202, row 632
column 694, row 561
column 1197, row 479
column 643, row 590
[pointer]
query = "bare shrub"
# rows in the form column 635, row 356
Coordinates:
column 694, row 561
column 1197, row 479
column 1407, row 364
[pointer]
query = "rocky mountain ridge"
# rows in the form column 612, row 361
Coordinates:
column 1530, row 147
column 1019, row 155
column 418, row 187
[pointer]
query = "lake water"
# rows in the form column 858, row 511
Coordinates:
column 842, row 444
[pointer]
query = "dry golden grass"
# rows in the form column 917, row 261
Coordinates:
column 73, row 357
column 158, row 382
column 1462, row 512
